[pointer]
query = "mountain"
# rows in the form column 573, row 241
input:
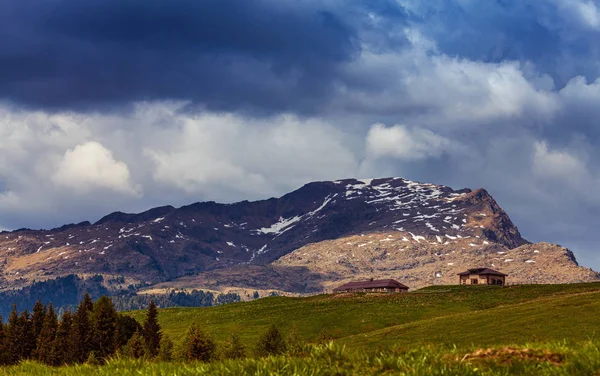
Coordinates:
column 304, row 241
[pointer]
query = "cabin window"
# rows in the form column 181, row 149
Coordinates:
column 474, row 281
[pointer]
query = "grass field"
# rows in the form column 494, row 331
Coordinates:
column 449, row 315
column 463, row 330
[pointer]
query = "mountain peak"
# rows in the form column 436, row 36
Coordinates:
column 167, row 243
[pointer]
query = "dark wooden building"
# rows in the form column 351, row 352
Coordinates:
column 482, row 276
column 378, row 285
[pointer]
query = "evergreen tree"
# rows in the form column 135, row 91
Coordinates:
column 270, row 343
column 136, row 348
column 26, row 344
column 234, row 348
column 3, row 348
column 103, row 328
column 197, row 345
column 46, row 339
column 37, row 318
column 13, row 337
column 87, row 303
column 61, row 345
column 126, row 327
column 152, row 333
column 80, row 338
column 165, row 354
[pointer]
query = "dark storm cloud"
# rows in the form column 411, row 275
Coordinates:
column 222, row 54
column 548, row 33
column 497, row 94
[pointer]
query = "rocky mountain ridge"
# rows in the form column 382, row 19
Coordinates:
column 206, row 243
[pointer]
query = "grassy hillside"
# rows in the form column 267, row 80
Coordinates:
column 462, row 315
column 450, row 330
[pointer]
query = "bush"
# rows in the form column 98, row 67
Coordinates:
column 324, row 337
column 270, row 343
column 234, row 348
column 93, row 360
column 165, row 353
column 295, row 344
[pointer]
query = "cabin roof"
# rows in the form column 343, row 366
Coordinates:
column 371, row 284
column 483, row 271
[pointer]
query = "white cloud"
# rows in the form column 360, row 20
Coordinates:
column 580, row 13
column 404, row 143
column 226, row 155
column 560, row 165
column 90, row 166
column 429, row 88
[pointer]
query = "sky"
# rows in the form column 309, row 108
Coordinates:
column 112, row 105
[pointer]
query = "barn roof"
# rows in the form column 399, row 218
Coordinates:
column 371, row 284
column 483, row 271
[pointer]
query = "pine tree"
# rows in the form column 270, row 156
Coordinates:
column 136, row 347
column 80, row 338
column 26, row 344
column 13, row 337
column 270, row 343
column 37, row 318
column 87, row 303
column 126, row 327
column 152, row 333
column 46, row 339
column 103, row 328
column 198, row 345
column 3, row 340
column 61, row 346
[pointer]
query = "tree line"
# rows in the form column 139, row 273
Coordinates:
column 194, row 298
column 95, row 332
column 66, row 291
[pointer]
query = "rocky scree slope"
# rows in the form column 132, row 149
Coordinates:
column 210, row 243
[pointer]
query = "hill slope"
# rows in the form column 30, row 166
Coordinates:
column 482, row 315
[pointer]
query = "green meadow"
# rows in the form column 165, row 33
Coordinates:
column 442, row 330
column 448, row 315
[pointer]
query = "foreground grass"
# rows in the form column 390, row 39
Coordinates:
column 461, row 315
column 538, row 359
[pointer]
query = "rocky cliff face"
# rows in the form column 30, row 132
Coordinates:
column 428, row 262
column 209, row 243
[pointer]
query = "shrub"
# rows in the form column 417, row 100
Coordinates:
column 234, row 348
column 165, row 352
column 295, row 344
column 93, row 360
column 270, row 343
column 324, row 337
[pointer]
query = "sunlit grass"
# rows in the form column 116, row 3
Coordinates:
column 331, row 359
column 473, row 312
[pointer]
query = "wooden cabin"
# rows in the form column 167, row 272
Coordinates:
column 378, row 285
column 482, row 276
